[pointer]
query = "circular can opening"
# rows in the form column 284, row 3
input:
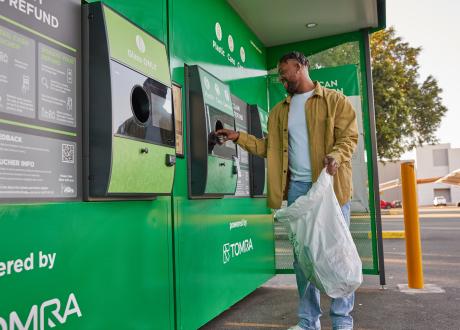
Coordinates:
column 140, row 104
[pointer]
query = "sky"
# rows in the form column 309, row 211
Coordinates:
column 433, row 25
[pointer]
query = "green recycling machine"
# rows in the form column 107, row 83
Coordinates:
column 213, row 166
column 129, row 120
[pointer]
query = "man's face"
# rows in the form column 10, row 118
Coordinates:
column 290, row 75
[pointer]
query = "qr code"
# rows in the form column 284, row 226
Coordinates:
column 68, row 153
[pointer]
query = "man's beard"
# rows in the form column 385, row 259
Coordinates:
column 291, row 87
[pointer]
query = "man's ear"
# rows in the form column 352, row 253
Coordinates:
column 298, row 67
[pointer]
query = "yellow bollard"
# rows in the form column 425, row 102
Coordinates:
column 411, row 226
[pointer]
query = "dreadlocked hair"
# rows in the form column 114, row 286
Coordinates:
column 295, row 55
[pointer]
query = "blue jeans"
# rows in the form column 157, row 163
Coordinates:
column 309, row 305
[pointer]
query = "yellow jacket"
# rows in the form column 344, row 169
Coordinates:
column 332, row 130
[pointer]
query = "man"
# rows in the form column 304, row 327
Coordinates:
column 313, row 128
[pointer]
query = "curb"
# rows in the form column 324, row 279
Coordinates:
column 393, row 234
column 385, row 235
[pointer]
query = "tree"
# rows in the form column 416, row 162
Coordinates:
column 347, row 53
column 408, row 113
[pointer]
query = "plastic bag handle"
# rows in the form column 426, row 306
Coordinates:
column 325, row 177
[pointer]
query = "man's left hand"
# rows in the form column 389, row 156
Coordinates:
column 331, row 165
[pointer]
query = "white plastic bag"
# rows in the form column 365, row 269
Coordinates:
column 322, row 241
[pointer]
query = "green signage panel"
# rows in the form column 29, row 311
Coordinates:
column 135, row 48
column 216, row 93
column 343, row 79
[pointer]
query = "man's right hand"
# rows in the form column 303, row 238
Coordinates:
column 228, row 134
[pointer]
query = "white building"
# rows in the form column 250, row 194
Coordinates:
column 437, row 161
column 390, row 171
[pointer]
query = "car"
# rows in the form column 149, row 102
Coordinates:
column 396, row 204
column 384, row 204
column 439, row 201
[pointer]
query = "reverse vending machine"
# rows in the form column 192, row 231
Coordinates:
column 130, row 139
column 213, row 167
column 258, row 119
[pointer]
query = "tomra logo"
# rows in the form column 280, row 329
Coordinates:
column 233, row 250
column 50, row 312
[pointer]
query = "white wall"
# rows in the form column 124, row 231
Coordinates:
column 426, row 169
column 454, row 159
column 390, row 171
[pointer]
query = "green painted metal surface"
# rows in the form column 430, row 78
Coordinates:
column 136, row 172
column 194, row 39
column 370, row 155
column 205, row 286
column 151, row 15
column 221, row 179
column 115, row 258
column 224, row 250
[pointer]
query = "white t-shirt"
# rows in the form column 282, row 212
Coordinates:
column 299, row 147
